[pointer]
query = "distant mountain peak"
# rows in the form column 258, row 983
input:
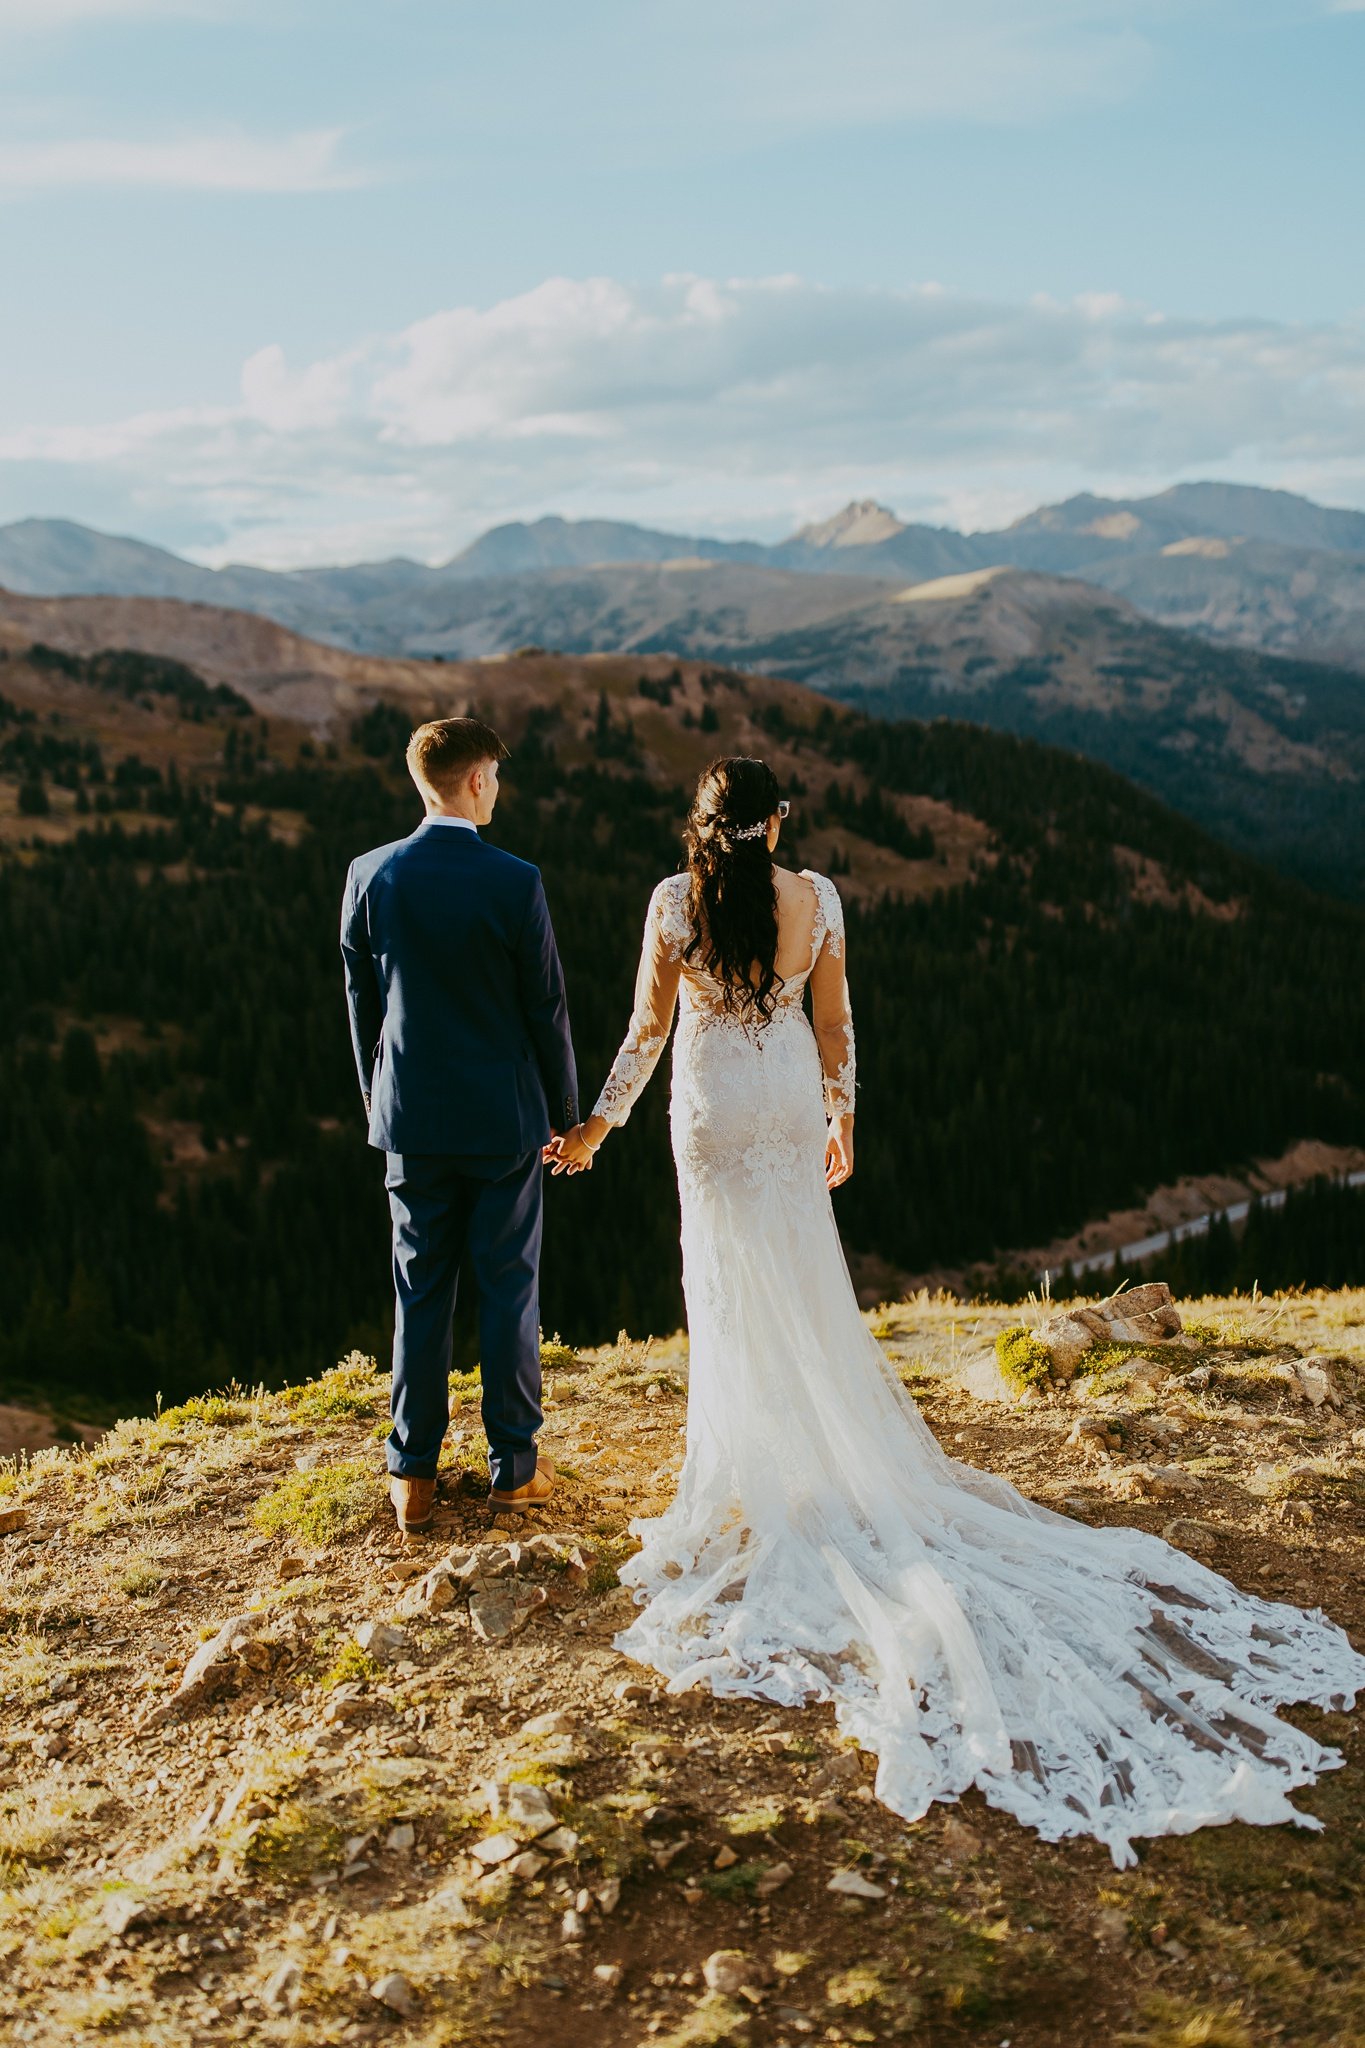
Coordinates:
column 861, row 524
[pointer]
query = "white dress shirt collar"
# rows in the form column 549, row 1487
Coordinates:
column 468, row 823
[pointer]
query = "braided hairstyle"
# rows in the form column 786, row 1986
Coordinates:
column 733, row 900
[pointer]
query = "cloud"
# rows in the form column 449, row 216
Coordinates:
column 223, row 161
column 713, row 404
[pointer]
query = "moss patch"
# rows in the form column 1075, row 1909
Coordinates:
column 322, row 1507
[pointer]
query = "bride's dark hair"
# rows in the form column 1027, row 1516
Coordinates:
column 733, row 901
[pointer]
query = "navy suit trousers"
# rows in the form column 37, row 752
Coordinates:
column 446, row 1209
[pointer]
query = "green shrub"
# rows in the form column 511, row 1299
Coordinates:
column 350, row 1389
column 353, row 1666
column 1024, row 1359
column 215, row 1411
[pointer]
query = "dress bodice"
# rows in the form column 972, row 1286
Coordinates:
column 667, row 979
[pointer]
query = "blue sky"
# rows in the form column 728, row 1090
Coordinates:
column 293, row 282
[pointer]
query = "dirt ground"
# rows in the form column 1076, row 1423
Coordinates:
column 304, row 1847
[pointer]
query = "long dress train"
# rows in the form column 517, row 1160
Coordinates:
column 821, row 1545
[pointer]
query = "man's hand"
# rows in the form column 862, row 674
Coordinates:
column 550, row 1152
column 839, row 1152
column 570, row 1153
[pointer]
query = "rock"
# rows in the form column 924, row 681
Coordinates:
column 1188, row 1534
column 492, row 1614
column 495, row 1849
column 282, row 1987
column 550, row 1724
column 526, row 1809
column 431, row 1595
column 609, row 1974
column 394, row 1991
column 851, row 1884
column 1315, row 1382
column 843, row 1769
column 729, row 1971
column 560, row 1842
column 1068, row 1338
column 1154, row 1482
column 353, row 1707
column 401, row 1837
column 724, row 1858
column 124, row 1910
column 51, row 1745
column 1096, row 1438
column 527, row 1866
column 959, row 1841
column 608, row 1895
column 773, row 1879
column 384, row 1641
column 635, row 1689
column 573, row 1927
column 1110, row 1926
column 213, row 1664
column 1136, row 1315
column 1140, row 1315
column 12, row 1519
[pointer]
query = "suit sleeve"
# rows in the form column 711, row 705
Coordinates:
column 545, row 1007
column 363, row 998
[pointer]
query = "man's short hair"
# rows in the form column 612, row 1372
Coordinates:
column 442, row 752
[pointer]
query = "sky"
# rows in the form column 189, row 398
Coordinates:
column 289, row 282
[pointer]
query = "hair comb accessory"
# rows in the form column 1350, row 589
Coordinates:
column 748, row 831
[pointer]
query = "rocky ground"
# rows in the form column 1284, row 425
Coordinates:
column 270, row 1774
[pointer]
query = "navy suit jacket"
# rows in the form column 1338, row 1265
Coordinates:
column 456, row 994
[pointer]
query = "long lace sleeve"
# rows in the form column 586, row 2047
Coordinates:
column 831, row 1012
column 656, row 998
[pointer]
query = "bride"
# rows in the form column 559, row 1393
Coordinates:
column 821, row 1546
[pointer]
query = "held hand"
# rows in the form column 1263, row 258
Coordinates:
column 571, row 1153
column 550, row 1152
column 839, row 1152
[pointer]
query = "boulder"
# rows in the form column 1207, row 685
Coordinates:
column 1136, row 1315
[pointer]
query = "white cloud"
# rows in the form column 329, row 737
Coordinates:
column 718, row 405
column 224, row 161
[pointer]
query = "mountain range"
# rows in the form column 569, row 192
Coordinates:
column 1233, row 563
column 1266, row 751
column 1207, row 641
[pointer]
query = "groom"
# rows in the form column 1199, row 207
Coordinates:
column 461, row 1037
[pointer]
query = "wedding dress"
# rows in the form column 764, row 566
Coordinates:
column 822, row 1547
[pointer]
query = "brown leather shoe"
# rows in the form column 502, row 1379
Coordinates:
column 412, row 1503
column 533, row 1494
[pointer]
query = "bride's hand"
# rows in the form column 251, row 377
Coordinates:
column 839, row 1152
column 572, row 1153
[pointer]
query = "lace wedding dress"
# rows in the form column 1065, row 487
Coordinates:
column 821, row 1546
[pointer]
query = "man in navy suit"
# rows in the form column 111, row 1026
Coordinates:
column 461, row 1036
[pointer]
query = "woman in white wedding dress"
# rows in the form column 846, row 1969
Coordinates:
column 821, row 1546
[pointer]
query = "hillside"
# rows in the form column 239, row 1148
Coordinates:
column 1067, row 995
column 1269, row 753
column 269, row 1774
